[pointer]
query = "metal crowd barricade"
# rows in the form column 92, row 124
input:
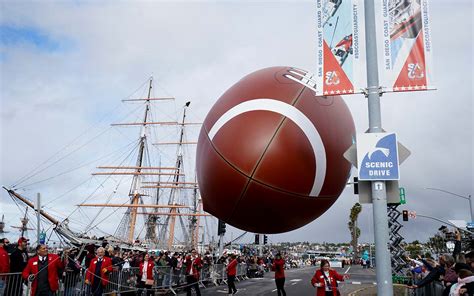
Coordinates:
column 242, row 271
column 126, row 281
column 205, row 277
column 72, row 283
column 432, row 289
column 123, row 281
column 164, row 277
column 11, row 284
column 219, row 274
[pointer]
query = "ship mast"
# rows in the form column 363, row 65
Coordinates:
column 134, row 192
column 175, row 191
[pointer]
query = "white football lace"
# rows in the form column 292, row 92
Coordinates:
column 306, row 78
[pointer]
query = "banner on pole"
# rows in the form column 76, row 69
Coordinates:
column 340, row 47
column 404, row 49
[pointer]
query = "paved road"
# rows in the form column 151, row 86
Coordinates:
column 297, row 283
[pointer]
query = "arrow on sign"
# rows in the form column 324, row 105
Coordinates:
column 378, row 186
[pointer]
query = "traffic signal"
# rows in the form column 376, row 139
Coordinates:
column 356, row 185
column 265, row 239
column 405, row 215
column 221, row 227
column 257, row 239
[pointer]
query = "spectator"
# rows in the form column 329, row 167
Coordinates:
column 117, row 261
column 450, row 276
column 193, row 265
column 435, row 272
column 279, row 268
column 4, row 262
column 174, row 268
column 90, row 254
column 72, row 271
column 465, row 284
column 4, row 259
column 231, row 273
column 146, row 276
column 97, row 275
column 470, row 260
column 43, row 270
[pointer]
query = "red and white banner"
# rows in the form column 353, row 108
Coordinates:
column 403, row 39
column 340, row 47
column 404, row 45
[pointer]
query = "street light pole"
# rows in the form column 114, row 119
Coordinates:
column 458, row 195
column 379, row 193
column 444, row 222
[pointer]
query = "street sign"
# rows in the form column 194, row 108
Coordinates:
column 402, row 196
column 470, row 225
column 377, row 157
column 42, row 238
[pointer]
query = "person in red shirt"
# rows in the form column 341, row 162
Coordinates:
column 231, row 273
column 4, row 262
column 146, row 275
column 97, row 275
column 4, row 259
column 43, row 270
column 325, row 280
column 193, row 265
column 278, row 267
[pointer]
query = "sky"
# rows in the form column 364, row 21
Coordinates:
column 65, row 66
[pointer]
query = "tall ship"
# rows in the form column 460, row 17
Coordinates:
column 142, row 191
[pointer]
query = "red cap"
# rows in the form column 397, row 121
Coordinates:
column 22, row 239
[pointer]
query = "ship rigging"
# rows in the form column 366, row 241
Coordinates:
column 160, row 195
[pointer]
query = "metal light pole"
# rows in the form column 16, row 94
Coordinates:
column 444, row 222
column 458, row 195
column 379, row 192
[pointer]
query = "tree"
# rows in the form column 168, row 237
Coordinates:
column 354, row 230
column 437, row 244
column 414, row 249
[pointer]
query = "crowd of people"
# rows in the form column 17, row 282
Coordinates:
column 98, row 267
column 450, row 275
column 46, row 270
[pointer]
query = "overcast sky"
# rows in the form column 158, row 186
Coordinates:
column 65, row 66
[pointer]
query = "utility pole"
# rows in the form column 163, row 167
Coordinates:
column 38, row 216
column 445, row 222
column 379, row 193
column 221, row 244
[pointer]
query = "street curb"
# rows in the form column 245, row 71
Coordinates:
column 355, row 293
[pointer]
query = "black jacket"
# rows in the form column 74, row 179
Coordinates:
column 18, row 260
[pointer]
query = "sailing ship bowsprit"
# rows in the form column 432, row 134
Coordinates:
column 160, row 196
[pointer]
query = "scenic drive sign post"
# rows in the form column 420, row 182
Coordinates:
column 377, row 157
column 356, row 40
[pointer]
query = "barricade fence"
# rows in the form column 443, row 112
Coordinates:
column 121, row 281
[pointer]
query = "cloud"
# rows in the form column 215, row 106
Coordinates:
column 28, row 36
column 67, row 65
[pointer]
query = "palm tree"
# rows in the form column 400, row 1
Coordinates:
column 354, row 230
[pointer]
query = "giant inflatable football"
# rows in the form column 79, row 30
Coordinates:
column 270, row 153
